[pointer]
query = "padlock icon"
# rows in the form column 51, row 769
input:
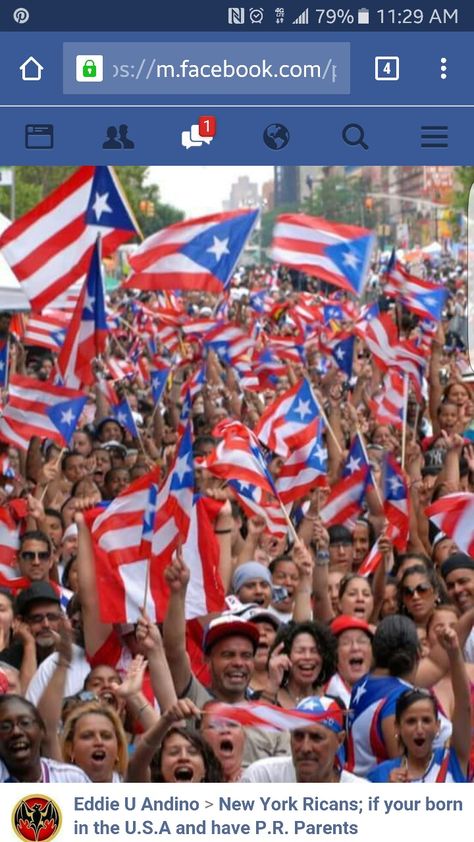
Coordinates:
column 89, row 69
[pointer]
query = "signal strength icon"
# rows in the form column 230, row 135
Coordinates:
column 303, row 18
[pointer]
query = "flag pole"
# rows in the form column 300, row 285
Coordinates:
column 147, row 584
column 326, row 421
column 405, row 413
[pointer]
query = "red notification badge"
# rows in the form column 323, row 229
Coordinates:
column 207, row 126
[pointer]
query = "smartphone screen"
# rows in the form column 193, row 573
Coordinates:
column 237, row 419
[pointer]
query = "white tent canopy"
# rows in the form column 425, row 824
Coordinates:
column 12, row 296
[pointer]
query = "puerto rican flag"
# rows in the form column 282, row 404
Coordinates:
column 263, row 715
column 9, row 537
column 256, row 503
column 87, row 334
column 453, row 514
column 388, row 406
column 283, row 424
column 159, row 374
column 303, row 466
column 195, row 254
column 229, row 342
column 373, row 559
column 47, row 330
column 239, row 457
column 381, row 337
column 124, row 416
column 331, row 251
column 423, row 298
column 50, row 247
column 41, row 409
column 346, row 498
column 395, row 492
column 4, row 357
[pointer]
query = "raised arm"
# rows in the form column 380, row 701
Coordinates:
column 139, row 766
column 461, row 736
column 95, row 631
column 174, row 626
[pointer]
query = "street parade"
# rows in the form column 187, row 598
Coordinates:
column 236, row 483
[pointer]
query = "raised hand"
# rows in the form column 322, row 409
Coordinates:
column 177, row 573
column 278, row 664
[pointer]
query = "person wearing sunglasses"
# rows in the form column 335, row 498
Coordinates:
column 417, row 725
column 38, row 616
column 35, row 558
column 419, row 593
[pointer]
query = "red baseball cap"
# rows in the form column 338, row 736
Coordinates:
column 344, row 623
column 229, row 625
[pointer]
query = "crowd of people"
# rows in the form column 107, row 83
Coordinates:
column 368, row 677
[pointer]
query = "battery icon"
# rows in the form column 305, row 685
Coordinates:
column 363, row 16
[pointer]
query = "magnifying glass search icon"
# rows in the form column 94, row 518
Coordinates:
column 353, row 135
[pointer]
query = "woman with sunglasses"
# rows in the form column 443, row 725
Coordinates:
column 417, row 726
column 419, row 594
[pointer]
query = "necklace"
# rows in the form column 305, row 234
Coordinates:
column 426, row 769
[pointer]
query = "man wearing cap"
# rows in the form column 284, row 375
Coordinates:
column 252, row 582
column 314, row 749
column 39, row 608
column 229, row 646
column 458, row 574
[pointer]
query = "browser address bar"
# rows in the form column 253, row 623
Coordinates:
column 164, row 68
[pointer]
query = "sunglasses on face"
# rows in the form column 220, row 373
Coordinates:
column 50, row 616
column 30, row 555
column 420, row 589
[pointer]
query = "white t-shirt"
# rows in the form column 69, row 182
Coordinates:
column 53, row 771
column 280, row 770
column 75, row 675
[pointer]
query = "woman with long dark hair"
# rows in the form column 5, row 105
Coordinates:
column 302, row 660
column 417, row 725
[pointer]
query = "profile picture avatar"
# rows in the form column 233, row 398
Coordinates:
column 36, row 818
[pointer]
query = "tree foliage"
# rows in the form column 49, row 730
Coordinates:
column 341, row 199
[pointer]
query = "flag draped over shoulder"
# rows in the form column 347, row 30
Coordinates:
column 331, row 251
column 195, row 254
column 50, row 247
column 39, row 409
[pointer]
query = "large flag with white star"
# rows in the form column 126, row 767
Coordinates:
column 39, row 409
column 331, row 251
column 195, row 254
column 87, row 333
column 283, row 425
column 50, row 247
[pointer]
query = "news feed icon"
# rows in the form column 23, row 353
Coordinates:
column 201, row 132
column 39, row 136
column 36, row 818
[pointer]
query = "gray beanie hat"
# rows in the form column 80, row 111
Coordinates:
column 249, row 571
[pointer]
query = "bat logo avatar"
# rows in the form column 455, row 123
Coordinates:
column 36, row 818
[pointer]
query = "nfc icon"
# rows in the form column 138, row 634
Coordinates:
column 235, row 15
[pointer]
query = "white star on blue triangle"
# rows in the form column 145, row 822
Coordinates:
column 183, row 472
column 105, row 189
column 351, row 258
column 205, row 250
column 64, row 416
column 303, row 408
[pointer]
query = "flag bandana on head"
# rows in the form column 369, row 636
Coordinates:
column 195, row 254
